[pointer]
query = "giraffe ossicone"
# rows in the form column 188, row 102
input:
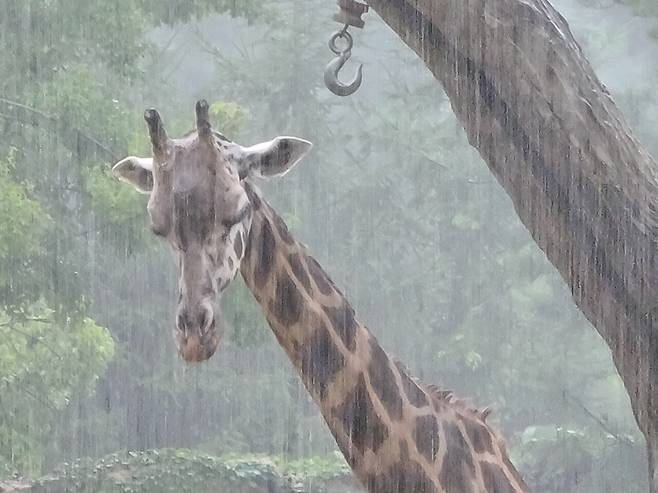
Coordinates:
column 397, row 435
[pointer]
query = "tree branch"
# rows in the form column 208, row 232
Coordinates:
column 72, row 138
column 10, row 325
column 595, row 418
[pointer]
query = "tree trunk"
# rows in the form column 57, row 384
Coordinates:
column 580, row 181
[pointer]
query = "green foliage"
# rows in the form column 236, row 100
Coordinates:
column 319, row 467
column 164, row 471
column 554, row 458
column 22, row 219
column 182, row 471
column 229, row 116
column 23, row 227
column 44, row 364
column 114, row 202
column 178, row 11
column 77, row 97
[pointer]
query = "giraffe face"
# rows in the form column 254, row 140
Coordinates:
column 199, row 204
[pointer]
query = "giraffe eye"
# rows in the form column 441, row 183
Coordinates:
column 158, row 231
column 237, row 218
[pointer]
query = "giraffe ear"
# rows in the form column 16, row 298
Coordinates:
column 273, row 158
column 137, row 171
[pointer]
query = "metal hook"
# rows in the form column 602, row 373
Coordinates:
column 334, row 66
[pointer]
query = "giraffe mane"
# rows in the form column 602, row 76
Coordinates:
column 442, row 396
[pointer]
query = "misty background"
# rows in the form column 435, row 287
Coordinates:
column 392, row 201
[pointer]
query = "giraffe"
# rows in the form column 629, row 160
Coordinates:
column 397, row 435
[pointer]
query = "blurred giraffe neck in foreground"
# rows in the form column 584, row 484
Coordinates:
column 395, row 434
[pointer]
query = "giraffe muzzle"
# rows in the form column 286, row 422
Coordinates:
column 198, row 337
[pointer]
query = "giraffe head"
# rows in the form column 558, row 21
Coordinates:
column 199, row 204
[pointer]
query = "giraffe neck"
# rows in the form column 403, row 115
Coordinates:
column 396, row 435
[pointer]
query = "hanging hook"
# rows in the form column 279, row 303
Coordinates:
column 334, row 66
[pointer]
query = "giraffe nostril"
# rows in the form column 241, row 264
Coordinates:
column 205, row 319
column 181, row 321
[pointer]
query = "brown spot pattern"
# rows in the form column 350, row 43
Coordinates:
column 299, row 271
column 402, row 477
column 320, row 361
column 321, row 279
column 264, row 255
column 494, row 479
column 282, row 229
column 458, row 467
column 193, row 218
column 287, row 304
column 238, row 245
column 382, row 380
column 426, row 436
column 414, row 393
column 343, row 321
column 255, row 200
column 479, row 436
column 359, row 420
